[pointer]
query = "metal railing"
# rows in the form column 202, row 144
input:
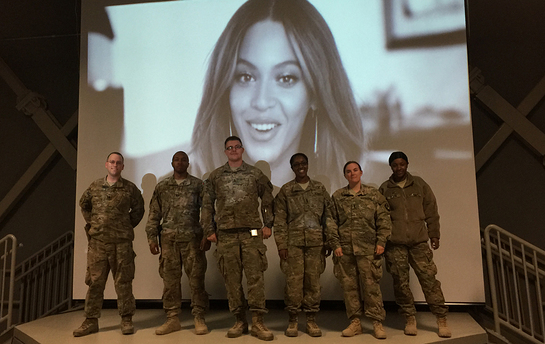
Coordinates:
column 516, row 271
column 45, row 280
column 8, row 250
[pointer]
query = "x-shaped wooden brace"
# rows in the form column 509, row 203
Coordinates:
column 514, row 119
column 35, row 106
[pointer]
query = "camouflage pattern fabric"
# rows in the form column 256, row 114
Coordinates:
column 112, row 211
column 176, row 208
column 101, row 258
column 360, row 277
column 235, row 194
column 420, row 257
column 303, row 269
column 363, row 220
column 301, row 216
column 174, row 255
column 236, row 251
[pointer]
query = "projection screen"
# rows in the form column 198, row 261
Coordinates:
column 143, row 70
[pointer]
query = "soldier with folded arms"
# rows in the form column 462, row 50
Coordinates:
column 112, row 207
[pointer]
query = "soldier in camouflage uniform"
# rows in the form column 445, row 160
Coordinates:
column 363, row 227
column 230, row 218
column 301, row 210
column 112, row 207
column 175, row 207
column 415, row 221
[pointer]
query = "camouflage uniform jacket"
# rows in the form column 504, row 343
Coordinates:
column 300, row 216
column 178, row 206
column 235, row 194
column 414, row 210
column 363, row 220
column 112, row 211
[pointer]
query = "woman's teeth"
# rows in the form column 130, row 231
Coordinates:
column 264, row 126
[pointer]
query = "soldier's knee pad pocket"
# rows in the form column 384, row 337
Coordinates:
column 263, row 256
column 221, row 262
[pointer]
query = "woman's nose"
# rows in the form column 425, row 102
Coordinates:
column 263, row 97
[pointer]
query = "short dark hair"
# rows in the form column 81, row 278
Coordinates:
column 296, row 155
column 121, row 155
column 351, row 162
column 232, row 138
column 397, row 155
column 178, row 152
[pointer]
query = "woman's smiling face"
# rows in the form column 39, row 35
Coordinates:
column 269, row 99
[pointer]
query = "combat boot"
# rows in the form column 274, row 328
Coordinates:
column 292, row 330
column 444, row 331
column 353, row 329
column 312, row 328
column 379, row 330
column 259, row 329
column 89, row 325
column 200, row 324
column 171, row 325
column 410, row 325
column 126, row 325
column 240, row 326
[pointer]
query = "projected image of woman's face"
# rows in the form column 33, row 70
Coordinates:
column 269, row 99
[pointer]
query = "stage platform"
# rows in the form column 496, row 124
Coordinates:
column 58, row 329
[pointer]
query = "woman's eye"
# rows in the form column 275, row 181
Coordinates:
column 243, row 78
column 288, row 80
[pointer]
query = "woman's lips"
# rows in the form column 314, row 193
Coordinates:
column 263, row 127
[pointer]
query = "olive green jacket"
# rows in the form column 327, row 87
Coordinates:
column 413, row 210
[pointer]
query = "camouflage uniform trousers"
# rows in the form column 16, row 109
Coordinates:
column 101, row 258
column 420, row 257
column 238, row 250
column 303, row 268
column 174, row 255
column 355, row 272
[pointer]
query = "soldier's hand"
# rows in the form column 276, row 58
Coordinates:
column 338, row 252
column 434, row 243
column 154, row 248
column 205, row 244
column 283, row 253
column 379, row 250
column 267, row 232
column 212, row 238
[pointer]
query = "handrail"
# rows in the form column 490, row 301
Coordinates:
column 45, row 279
column 8, row 252
column 515, row 269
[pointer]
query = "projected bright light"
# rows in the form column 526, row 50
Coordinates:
column 397, row 86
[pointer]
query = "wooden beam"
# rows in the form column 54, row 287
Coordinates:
column 513, row 118
column 34, row 171
column 35, row 106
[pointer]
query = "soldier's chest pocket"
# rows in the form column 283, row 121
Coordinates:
column 393, row 196
column 119, row 199
column 244, row 183
column 394, row 199
column 415, row 198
